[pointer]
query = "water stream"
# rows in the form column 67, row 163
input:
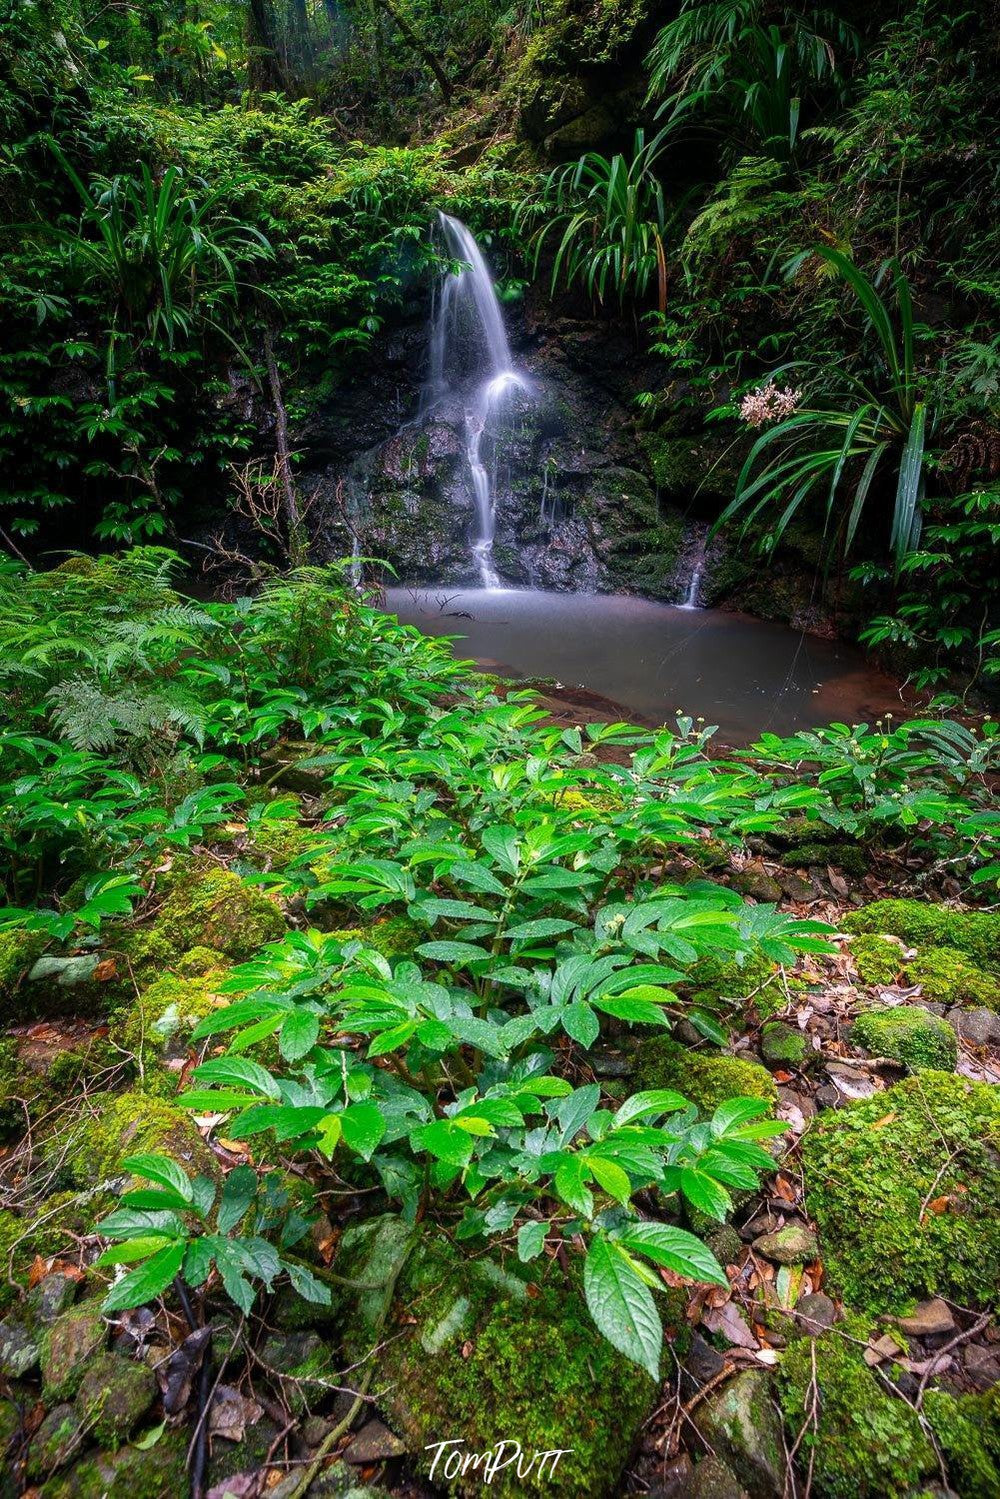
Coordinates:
column 470, row 357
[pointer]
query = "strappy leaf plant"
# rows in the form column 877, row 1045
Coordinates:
column 857, row 441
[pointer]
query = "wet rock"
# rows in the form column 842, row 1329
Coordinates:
column 754, row 881
column 978, row 1027
column 783, row 1045
column 374, row 1443
column 725, row 1243
column 805, row 1104
column 795, row 886
column 67, row 1348
column 129, row 1473
column 52, row 1296
column 709, row 1479
column 56, row 1441
column 982, row 1365
column 19, row 1349
column 828, row 1097
column 702, row 1362
column 928, row 1320
column 115, row 1394
column 306, row 1365
column 795, row 1244
column 815, row 1313
column 743, row 1429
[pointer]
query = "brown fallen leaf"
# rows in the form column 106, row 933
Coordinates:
column 886, row 1119
column 938, row 1205
column 106, row 969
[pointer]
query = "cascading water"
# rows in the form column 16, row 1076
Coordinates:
column 692, row 598
column 470, row 353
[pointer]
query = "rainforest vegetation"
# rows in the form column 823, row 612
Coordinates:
column 413, row 1078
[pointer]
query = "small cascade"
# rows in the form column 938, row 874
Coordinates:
column 470, row 356
column 692, row 598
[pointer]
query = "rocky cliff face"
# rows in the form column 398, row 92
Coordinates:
column 583, row 499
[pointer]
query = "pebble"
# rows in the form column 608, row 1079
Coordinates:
column 795, row 1244
column 373, row 1444
column 980, row 1027
column 928, row 1320
column 815, row 1313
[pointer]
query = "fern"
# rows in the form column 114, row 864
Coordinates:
column 92, row 718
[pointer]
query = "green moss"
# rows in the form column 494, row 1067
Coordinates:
column 127, row 1474
column 876, row 959
column 705, row 1078
column 868, row 1170
column 68, row 1347
column 976, row 934
column 485, row 1360
column 18, row 950
column 717, row 983
column 947, row 978
column 910, row 1035
column 161, row 1016
column 846, row 856
column 395, row 937
column 866, row 1443
column 206, row 908
column 50, row 1229
column 130, row 1124
column 58, row 1437
column 783, row 1045
column 115, row 1394
column 967, row 1429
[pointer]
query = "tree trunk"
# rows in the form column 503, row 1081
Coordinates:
column 292, row 513
column 264, row 68
column 420, row 47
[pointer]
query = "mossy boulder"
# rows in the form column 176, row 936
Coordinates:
column 68, row 1347
column 967, row 1429
column 50, row 1230
column 869, row 1170
column 115, row 1393
column 946, row 977
column 877, row 960
column 127, row 1124
column 846, row 856
column 130, row 1473
column 975, row 934
column 716, row 983
column 908, row 1034
column 472, row 1350
column 742, row 1427
column 18, row 951
column 307, row 1362
column 866, row 1443
column 704, row 1078
column 212, row 908
column 159, row 1020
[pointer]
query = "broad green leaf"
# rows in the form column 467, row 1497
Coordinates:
column 299, row 1034
column 676, row 1250
column 147, row 1281
column 622, row 1305
column 611, row 1177
column 570, row 1180
column 581, row 1024
column 704, row 1192
column 238, row 1192
column 162, row 1170
column 531, row 1240
column 364, row 1128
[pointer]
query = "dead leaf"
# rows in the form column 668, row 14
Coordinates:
column 938, row 1205
column 886, row 1119
column 232, row 1413
column 106, row 969
column 728, row 1321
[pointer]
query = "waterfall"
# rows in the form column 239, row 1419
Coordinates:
column 692, row 598
column 469, row 352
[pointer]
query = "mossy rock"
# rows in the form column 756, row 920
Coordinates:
column 877, row 960
column 866, row 1443
column 206, row 908
column 975, row 934
column 742, row 1427
column 159, row 1020
column 704, row 1078
column 908, row 1034
column 783, row 1045
column 68, row 1347
column 129, row 1473
column 946, row 977
column 18, row 951
column 48, row 1230
column 868, row 1170
column 130, row 1124
column 57, row 1439
column 846, row 856
column 488, row 1360
column 717, row 982
column 396, row 937
column 115, row 1393
column 37, row 1082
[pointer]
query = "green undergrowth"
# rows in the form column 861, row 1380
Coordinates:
column 708, row 1079
column 974, row 934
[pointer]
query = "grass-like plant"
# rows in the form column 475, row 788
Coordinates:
column 855, row 436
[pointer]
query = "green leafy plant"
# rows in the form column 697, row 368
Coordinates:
column 848, row 440
column 611, row 216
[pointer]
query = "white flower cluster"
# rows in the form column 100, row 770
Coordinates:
column 768, row 404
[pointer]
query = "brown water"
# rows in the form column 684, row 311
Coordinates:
column 740, row 673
